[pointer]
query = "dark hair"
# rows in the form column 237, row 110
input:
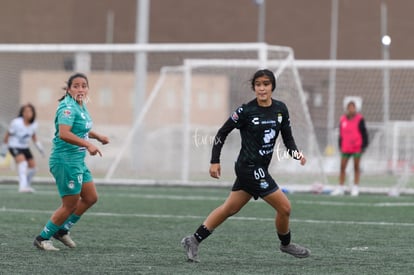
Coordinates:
column 33, row 111
column 351, row 103
column 69, row 83
column 264, row 72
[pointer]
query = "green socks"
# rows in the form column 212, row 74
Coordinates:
column 50, row 228
column 67, row 225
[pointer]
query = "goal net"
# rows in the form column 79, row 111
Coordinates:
column 195, row 135
column 161, row 106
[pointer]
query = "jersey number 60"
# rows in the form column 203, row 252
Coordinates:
column 259, row 173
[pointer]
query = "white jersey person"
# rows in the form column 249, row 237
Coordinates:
column 22, row 129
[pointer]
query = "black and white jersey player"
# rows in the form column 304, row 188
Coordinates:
column 259, row 121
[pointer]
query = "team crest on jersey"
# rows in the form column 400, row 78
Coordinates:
column 71, row 184
column 235, row 117
column 279, row 117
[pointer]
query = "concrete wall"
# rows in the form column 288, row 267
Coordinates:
column 301, row 24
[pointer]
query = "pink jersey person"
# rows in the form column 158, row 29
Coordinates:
column 353, row 140
column 350, row 134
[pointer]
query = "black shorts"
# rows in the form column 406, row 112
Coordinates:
column 255, row 180
column 17, row 151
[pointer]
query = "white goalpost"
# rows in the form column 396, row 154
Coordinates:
column 402, row 159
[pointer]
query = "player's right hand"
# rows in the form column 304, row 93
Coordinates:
column 303, row 160
column 215, row 170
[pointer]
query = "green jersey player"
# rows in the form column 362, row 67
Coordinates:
column 74, row 181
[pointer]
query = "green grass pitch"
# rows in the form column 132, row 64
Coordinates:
column 137, row 230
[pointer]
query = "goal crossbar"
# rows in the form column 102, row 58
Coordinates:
column 160, row 47
column 353, row 64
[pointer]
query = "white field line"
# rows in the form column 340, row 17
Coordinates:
column 366, row 204
column 222, row 199
column 166, row 216
column 215, row 198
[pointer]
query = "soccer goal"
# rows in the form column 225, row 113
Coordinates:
column 197, row 136
column 161, row 120
column 402, row 156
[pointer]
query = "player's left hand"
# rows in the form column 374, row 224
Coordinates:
column 93, row 150
column 103, row 139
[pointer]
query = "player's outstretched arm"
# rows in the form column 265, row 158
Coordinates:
column 39, row 145
column 102, row 139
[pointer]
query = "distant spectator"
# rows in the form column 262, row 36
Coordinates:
column 16, row 141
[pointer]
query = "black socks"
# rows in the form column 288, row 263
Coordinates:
column 202, row 233
column 61, row 232
column 284, row 239
column 40, row 239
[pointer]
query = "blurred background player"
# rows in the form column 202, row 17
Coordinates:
column 259, row 122
column 353, row 140
column 22, row 129
column 74, row 181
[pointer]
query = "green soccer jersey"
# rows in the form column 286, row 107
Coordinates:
column 69, row 112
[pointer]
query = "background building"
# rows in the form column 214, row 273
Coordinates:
column 303, row 25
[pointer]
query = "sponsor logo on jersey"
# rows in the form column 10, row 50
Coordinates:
column 269, row 134
column 270, row 121
column 88, row 125
column 256, row 121
column 67, row 113
column 264, row 152
column 264, row 184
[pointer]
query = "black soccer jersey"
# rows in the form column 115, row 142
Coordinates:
column 259, row 128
